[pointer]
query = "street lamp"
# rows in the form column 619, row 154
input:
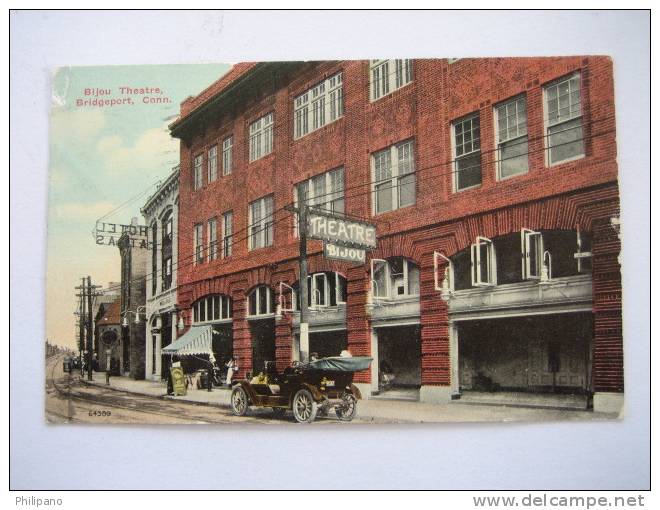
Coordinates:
column 140, row 309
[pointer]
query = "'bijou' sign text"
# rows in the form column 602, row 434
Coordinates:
column 343, row 239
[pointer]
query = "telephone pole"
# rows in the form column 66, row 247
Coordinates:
column 81, row 323
column 91, row 292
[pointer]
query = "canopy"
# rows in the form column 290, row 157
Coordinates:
column 340, row 364
column 197, row 340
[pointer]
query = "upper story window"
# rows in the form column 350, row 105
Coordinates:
column 323, row 191
column 197, row 172
column 511, row 122
column 386, row 76
column 318, row 106
column 484, row 269
column 213, row 163
column 393, row 177
column 212, row 308
column 198, row 241
column 395, row 278
column 325, row 289
column 260, row 221
column 227, row 155
column 166, row 250
column 260, row 301
column 213, row 239
column 563, row 120
column 261, row 137
column 467, row 152
column 227, row 233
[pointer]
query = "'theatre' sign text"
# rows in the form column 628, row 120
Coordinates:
column 341, row 231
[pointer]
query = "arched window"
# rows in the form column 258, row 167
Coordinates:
column 166, row 268
column 324, row 289
column 212, row 309
column 260, row 301
column 394, row 278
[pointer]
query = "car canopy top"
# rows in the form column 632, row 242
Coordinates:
column 339, row 364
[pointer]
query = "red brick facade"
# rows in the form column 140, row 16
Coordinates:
column 580, row 193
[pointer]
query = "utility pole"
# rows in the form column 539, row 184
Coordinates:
column 81, row 323
column 302, row 260
column 90, row 329
column 301, row 210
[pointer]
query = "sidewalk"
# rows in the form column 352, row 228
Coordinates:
column 376, row 410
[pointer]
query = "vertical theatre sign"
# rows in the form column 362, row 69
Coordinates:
column 343, row 239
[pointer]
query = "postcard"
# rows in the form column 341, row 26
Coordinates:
column 333, row 242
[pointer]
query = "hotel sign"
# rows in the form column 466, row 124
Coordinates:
column 340, row 231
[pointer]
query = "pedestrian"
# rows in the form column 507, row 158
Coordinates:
column 209, row 375
column 232, row 367
column 170, row 383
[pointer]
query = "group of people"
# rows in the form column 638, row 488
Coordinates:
column 214, row 374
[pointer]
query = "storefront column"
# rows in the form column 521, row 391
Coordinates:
column 358, row 324
column 242, row 339
column 607, row 369
column 283, row 341
column 453, row 359
column 434, row 321
column 155, row 375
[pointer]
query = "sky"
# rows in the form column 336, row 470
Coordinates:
column 100, row 158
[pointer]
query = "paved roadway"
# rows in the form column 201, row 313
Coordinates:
column 69, row 401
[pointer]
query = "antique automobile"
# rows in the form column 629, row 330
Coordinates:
column 308, row 389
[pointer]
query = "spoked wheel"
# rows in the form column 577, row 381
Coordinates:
column 304, row 407
column 347, row 410
column 239, row 401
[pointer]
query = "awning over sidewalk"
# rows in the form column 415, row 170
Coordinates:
column 197, row 340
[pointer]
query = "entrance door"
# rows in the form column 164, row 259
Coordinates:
column 263, row 343
column 399, row 358
column 165, row 340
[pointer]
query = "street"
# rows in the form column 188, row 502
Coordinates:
column 69, row 400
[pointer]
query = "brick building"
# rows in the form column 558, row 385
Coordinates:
column 493, row 187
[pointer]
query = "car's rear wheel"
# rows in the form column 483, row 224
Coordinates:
column 239, row 401
column 304, row 407
column 347, row 410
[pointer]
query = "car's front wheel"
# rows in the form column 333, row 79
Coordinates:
column 239, row 401
column 304, row 406
column 347, row 410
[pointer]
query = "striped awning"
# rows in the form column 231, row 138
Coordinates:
column 197, row 340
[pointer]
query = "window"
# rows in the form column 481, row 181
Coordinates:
column 212, row 308
column 563, row 109
column 227, row 233
column 261, row 137
column 389, row 75
column 318, row 106
column 324, row 290
column 213, row 239
column 260, row 301
column 395, row 278
column 166, row 250
column 261, row 223
column 583, row 254
column 467, row 153
column 213, row 163
column 199, row 246
column 323, row 191
column 443, row 271
column 484, row 270
column 227, row 150
column 393, row 177
column 197, row 172
column 531, row 246
column 511, row 121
